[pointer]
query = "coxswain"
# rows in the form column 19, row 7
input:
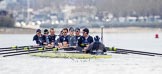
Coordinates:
column 96, row 47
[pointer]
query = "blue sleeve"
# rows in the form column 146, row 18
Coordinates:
column 60, row 39
column 57, row 40
column 43, row 38
column 34, row 38
column 80, row 41
column 50, row 38
column 91, row 39
column 66, row 39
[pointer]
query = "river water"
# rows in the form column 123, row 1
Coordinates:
column 118, row 64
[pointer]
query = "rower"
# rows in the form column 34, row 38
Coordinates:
column 63, row 40
column 77, row 36
column 38, row 38
column 85, row 40
column 52, row 37
column 96, row 47
column 71, row 38
column 46, row 38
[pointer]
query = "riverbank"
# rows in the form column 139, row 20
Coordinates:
column 16, row 31
column 92, row 30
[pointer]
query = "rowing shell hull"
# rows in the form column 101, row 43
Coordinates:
column 70, row 55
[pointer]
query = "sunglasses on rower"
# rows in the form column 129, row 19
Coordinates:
column 64, row 32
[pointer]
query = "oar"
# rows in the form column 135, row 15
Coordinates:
column 26, row 50
column 133, row 51
column 15, row 47
column 26, row 53
column 19, row 48
column 139, row 53
column 10, row 50
column 40, row 50
column 125, row 51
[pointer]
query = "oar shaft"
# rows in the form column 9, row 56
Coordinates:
column 18, row 51
column 10, row 50
column 25, row 53
column 125, row 51
column 21, row 52
column 138, row 51
column 15, row 47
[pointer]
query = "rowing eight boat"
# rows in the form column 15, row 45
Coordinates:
column 70, row 55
